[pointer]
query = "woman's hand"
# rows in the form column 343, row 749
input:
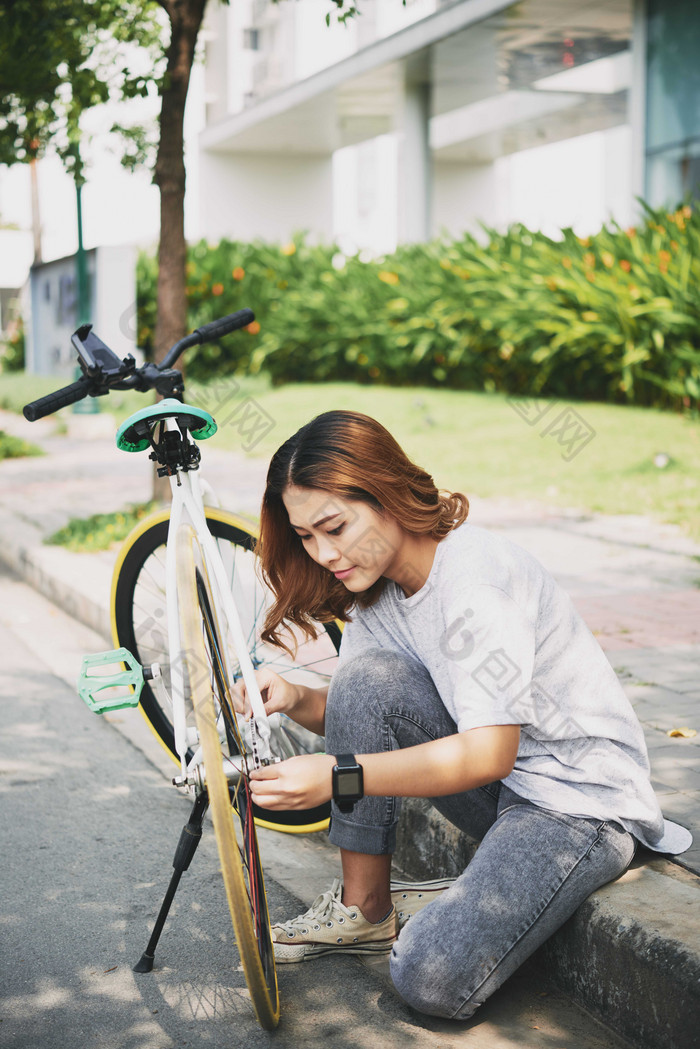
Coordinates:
column 298, row 783
column 278, row 695
column 305, row 705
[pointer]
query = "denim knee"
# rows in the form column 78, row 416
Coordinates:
column 356, row 692
column 423, row 972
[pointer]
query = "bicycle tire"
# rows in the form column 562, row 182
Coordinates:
column 240, row 861
column 137, row 608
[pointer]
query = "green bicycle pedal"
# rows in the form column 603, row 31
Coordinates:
column 128, row 679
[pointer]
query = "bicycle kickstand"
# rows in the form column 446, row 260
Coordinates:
column 186, row 848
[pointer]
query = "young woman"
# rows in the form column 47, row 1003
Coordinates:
column 466, row 676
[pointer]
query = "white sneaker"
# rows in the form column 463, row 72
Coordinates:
column 409, row 897
column 329, row 927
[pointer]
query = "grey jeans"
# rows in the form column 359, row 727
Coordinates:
column 531, row 871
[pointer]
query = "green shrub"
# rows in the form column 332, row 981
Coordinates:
column 12, row 348
column 611, row 317
column 100, row 531
column 15, row 447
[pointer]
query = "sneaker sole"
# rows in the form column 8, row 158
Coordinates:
column 305, row 952
column 425, row 886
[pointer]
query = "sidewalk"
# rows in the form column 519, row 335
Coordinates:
column 637, row 585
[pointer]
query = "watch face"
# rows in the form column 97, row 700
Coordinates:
column 349, row 782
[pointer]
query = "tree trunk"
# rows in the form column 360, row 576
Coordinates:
column 36, row 214
column 185, row 21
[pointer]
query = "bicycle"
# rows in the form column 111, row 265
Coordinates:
column 193, row 568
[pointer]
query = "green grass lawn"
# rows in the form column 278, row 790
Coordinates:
column 479, row 444
column 472, row 442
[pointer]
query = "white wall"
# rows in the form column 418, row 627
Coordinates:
column 115, row 298
column 464, row 194
column 580, row 182
column 248, row 195
column 365, row 205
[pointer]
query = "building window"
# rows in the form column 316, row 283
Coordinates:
column 673, row 89
column 251, row 39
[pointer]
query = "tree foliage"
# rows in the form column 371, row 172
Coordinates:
column 60, row 58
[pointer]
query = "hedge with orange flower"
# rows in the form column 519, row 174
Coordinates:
column 612, row 317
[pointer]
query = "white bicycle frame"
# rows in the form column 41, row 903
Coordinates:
column 188, row 506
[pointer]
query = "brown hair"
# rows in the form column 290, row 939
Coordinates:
column 353, row 456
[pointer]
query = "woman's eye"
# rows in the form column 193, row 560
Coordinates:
column 338, row 530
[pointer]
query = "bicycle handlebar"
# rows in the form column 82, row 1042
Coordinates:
column 100, row 375
column 58, row 399
column 207, row 333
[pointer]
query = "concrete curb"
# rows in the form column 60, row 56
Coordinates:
column 630, row 954
column 68, row 580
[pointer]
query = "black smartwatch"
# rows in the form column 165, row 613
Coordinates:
column 348, row 786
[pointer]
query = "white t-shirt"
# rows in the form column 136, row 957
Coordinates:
column 504, row 645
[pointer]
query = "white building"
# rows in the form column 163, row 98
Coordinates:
column 441, row 115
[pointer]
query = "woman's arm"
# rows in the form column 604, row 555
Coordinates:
column 444, row 766
column 309, row 708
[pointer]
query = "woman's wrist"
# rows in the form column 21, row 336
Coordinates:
column 309, row 707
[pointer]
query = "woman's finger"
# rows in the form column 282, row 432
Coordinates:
column 264, row 772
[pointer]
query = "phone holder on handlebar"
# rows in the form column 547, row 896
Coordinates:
column 97, row 361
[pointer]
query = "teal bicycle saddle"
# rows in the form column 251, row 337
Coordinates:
column 132, row 435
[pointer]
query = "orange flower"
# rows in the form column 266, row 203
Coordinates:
column 552, row 284
column 665, row 257
column 674, row 245
column 590, row 275
column 217, row 289
column 238, row 273
column 388, row 277
column 631, row 232
column 625, row 265
column 589, row 259
column 687, row 211
column 566, row 262
column 608, row 259
column 253, row 327
column 289, row 249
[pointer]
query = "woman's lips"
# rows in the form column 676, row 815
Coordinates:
column 344, row 573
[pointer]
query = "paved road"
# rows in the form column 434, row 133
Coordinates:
column 89, row 827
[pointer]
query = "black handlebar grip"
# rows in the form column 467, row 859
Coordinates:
column 58, row 399
column 215, row 329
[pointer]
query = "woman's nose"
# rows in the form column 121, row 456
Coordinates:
column 328, row 552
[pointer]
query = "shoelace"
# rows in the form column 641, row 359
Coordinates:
column 319, row 912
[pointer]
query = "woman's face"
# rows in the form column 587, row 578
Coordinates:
column 351, row 539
